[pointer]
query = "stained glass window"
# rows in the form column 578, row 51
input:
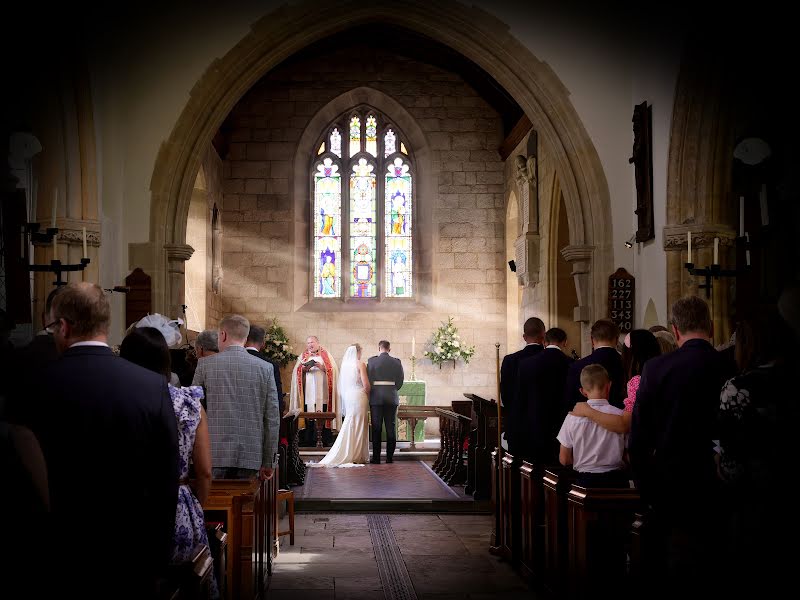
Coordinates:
column 327, row 230
column 372, row 135
column 362, row 227
column 355, row 136
column 389, row 143
column 397, row 228
column 363, row 220
column 336, row 142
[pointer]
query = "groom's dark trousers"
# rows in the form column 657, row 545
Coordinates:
column 386, row 377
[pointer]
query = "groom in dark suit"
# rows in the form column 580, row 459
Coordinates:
column 385, row 377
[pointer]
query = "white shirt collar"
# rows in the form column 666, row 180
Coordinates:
column 532, row 344
column 553, row 346
column 252, row 348
column 604, row 346
column 596, row 401
column 76, row 344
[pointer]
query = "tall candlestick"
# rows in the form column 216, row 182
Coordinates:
column 764, row 207
column 716, row 251
column 747, row 248
column 85, row 255
column 55, row 247
column 741, row 216
column 689, row 243
column 413, row 346
column 55, row 206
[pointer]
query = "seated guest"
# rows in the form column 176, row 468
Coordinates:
column 594, row 452
column 666, row 341
column 108, row 434
column 641, row 346
column 604, row 336
column 146, row 347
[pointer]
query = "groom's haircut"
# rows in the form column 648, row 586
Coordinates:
column 384, row 345
column 256, row 336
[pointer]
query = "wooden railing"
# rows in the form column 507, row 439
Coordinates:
column 453, row 429
column 292, row 467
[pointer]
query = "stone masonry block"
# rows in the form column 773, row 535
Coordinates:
column 255, row 186
column 256, row 151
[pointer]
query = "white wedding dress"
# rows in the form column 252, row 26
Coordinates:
column 351, row 448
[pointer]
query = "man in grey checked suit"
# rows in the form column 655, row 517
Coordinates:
column 242, row 405
column 385, row 378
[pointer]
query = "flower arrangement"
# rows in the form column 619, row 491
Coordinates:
column 276, row 345
column 446, row 345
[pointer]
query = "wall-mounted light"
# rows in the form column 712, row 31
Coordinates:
column 513, row 266
column 630, row 241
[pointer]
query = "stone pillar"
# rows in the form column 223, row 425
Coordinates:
column 177, row 255
column 526, row 246
column 580, row 257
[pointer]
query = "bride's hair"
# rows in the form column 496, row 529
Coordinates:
column 357, row 347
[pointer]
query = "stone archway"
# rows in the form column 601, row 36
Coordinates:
column 477, row 36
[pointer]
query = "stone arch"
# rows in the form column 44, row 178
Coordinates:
column 481, row 38
column 425, row 188
column 513, row 315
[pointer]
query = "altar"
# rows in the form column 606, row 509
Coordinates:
column 412, row 393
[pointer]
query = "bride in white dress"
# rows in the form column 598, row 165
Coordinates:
column 351, row 448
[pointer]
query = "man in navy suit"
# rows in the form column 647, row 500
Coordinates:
column 540, row 397
column 109, row 436
column 533, row 334
column 671, row 448
column 253, row 345
column 605, row 334
column 386, row 375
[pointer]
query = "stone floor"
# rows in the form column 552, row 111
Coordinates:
column 392, row 557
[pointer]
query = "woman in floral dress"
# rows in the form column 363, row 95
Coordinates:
column 146, row 347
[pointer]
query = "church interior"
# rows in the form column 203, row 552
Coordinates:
column 432, row 174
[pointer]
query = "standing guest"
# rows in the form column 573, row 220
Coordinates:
column 593, row 451
column 541, row 390
column 666, row 341
column 146, row 347
column 656, row 328
column 315, row 388
column 671, row 447
column 533, row 334
column 604, row 335
column 642, row 346
column 109, row 437
column 206, row 343
column 242, row 405
column 254, row 345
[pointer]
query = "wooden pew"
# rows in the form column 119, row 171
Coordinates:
column 531, row 519
column 483, row 441
column 218, row 544
column 512, row 513
column 189, row 580
column 248, row 508
column 557, row 482
column 496, row 537
column 599, row 522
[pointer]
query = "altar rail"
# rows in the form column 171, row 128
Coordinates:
column 454, row 430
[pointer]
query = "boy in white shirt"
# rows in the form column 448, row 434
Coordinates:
column 595, row 453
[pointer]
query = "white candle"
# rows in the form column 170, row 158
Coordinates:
column 716, row 251
column 85, row 255
column 747, row 249
column 741, row 216
column 413, row 346
column 764, row 208
column 689, row 243
column 55, row 207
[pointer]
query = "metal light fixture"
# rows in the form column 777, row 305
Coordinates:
column 630, row 240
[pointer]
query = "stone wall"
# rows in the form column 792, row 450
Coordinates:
column 466, row 237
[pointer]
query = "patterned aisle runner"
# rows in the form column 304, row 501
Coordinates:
column 394, row 576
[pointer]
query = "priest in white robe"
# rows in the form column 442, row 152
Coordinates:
column 314, row 389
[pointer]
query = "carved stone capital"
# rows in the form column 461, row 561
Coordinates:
column 74, row 237
column 580, row 256
column 526, row 249
column 179, row 252
column 675, row 236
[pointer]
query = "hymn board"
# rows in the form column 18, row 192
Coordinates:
column 621, row 299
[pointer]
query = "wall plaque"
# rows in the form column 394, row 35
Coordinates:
column 622, row 299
